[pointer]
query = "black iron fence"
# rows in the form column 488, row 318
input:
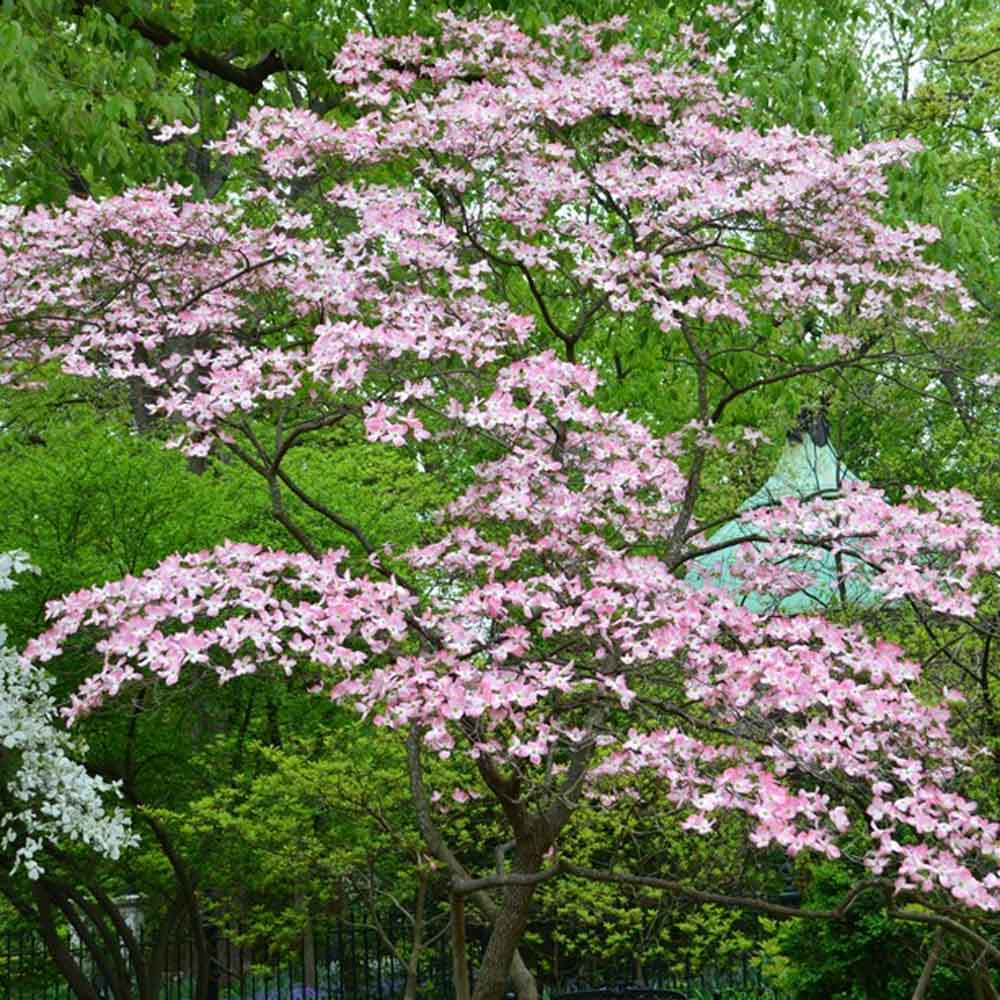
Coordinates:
column 351, row 960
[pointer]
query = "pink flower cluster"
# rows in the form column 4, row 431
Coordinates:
column 930, row 550
column 545, row 186
column 538, row 647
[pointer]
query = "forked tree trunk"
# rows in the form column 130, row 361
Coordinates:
column 508, row 929
column 524, row 982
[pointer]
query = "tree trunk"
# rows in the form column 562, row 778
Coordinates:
column 211, row 970
column 459, row 950
column 524, row 982
column 508, row 928
column 417, row 944
column 979, row 976
column 156, row 964
column 99, row 941
column 137, row 404
column 924, row 983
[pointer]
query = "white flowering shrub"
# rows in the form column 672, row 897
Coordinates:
column 56, row 799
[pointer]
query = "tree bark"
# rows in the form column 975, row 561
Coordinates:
column 459, row 950
column 523, row 979
column 508, row 929
column 101, row 941
column 156, row 964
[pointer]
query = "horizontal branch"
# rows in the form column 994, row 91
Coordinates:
column 813, row 369
column 947, row 923
column 723, row 899
column 968, row 60
column 464, row 886
column 250, row 78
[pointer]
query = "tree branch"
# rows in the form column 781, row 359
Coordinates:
column 948, row 924
column 923, row 984
column 250, row 79
column 968, row 60
column 820, row 366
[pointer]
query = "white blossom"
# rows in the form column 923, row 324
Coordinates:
column 57, row 800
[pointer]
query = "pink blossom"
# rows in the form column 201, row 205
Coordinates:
column 543, row 631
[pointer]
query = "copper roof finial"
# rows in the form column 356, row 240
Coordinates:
column 811, row 421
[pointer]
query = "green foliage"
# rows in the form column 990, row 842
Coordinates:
column 300, row 829
column 954, row 111
column 867, row 956
column 83, row 85
column 79, row 92
column 378, row 488
column 92, row 502
column 599, row 924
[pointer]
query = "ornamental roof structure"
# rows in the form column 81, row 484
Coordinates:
column 808, row 467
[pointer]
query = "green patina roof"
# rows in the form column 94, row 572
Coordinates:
column 807, row 467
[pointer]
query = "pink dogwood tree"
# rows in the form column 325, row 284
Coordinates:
column 438, row 266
